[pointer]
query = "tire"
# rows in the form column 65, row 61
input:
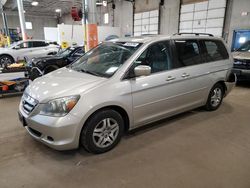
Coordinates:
column 102, row 132
column 6, row 60
column 215, row 97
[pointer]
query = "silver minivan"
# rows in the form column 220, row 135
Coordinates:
column 123, row 84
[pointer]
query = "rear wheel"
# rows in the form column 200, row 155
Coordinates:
column 103, row 131
column 215, row 97
column 5, row 60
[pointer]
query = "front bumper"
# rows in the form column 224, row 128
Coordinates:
column 60, row 133
column 242, row 73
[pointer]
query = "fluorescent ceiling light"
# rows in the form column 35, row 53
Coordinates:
column 34, row 3
column 98, row 3
column 58, row 10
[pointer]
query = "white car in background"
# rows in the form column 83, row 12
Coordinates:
column 26, row 49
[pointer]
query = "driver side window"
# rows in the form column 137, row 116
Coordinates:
column 156, row 56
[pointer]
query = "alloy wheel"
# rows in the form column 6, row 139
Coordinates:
column 216, row 97
column 105, row 133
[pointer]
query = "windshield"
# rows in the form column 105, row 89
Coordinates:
column 245, row 47
column 15, row 44
column 65, row 52
column 105, row 59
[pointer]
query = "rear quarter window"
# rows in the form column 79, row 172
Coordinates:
column 214, row 50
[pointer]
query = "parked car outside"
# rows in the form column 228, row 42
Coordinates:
column 123, row 84
column 242, row 62
column 37, row 67
column 29, row 49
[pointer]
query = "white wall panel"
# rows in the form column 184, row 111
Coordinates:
column 137, row 22
column 201, row 6
column 187, row 16
column 145, row 15
column 215, row 22
column 199, row 24
column 145, row 21
column 186, row 31
column 187, row 8
column 138, row 16
column 186, row 25
column 202, row 30
column 153, row 27
column 200, row 15
column 214, row 4
column 137, row 28
column 154, row 13
column 214, row 31
column 154, row 20
column 216, row 13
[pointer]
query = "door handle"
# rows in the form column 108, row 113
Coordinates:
column 169, row 78
column 185, row 75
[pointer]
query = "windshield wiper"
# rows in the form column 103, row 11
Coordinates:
column 90, row 72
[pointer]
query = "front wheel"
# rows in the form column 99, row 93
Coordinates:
column 103, row 131
column 5, row 60
column 215, row 97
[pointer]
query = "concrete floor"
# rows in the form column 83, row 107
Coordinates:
column 193, row 150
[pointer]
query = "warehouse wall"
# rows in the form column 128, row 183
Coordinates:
column 169, row 16
column 234, row 18
column 123, row 17
column 38, row 24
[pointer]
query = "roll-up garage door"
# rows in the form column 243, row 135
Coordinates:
column 203, row 17
column 146, row 23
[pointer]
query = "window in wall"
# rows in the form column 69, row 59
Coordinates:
column 28, row 25
column 106, row 18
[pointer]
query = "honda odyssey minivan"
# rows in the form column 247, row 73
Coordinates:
column 123, row 84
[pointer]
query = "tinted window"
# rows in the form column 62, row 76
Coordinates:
column 214, row 51
column 26, row 45
column 39, row 44
column 157, row 56
column 188, row 52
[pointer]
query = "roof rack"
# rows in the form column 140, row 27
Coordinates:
column 196, row 34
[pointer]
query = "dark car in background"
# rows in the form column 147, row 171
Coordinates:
column 242, row 62
column 43, row 65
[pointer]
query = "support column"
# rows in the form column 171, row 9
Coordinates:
column 22, row 19
column 90, row 25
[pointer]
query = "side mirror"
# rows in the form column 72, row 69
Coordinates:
column 142, row 70
column 17, row 47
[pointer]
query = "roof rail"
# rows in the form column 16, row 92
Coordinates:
column 196, row 34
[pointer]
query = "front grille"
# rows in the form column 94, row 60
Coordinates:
column 28, row 103
column 242, row 64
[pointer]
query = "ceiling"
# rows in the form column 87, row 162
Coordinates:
column 44, row 8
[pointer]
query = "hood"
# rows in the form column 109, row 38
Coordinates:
column 47, row 58
column 60, row 83
column 5, row 50
column 241, row 55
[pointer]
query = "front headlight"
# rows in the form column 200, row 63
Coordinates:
column 59, row 107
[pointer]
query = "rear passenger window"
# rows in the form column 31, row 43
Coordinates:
column 38, row 44
column 188, row 52
column 214, row 51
